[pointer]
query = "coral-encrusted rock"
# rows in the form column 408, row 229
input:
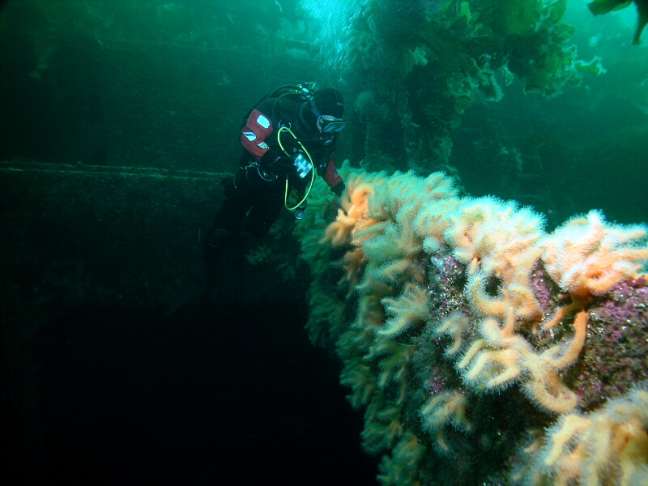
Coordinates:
column 616, row 352
column 544, row 289
column 446, row 281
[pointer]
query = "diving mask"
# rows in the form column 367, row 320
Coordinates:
column 329, row 124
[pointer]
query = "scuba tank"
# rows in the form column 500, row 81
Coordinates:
column 304, row 91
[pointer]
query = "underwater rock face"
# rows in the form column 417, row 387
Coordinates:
column 477, row 344
column 616, row 357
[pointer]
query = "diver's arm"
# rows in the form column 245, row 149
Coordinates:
column 333, row 178
column 328, row 171
column 259, row 138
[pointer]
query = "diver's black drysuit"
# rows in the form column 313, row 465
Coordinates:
column 256, row 194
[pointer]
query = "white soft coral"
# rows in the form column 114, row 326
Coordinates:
column 588, row 256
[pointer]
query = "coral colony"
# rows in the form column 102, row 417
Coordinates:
column 467, row 331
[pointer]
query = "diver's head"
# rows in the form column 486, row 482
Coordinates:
column 326, row 107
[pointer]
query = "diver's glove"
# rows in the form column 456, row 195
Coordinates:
column 339, row 188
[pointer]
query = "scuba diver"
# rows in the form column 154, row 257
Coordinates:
column 288, row 137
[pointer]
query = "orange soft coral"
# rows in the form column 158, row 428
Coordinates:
column 408, row 309
column 609, row 446
column 353, row 216
column 400, row 233
column 441, row 411
column 587, row 256
column 501, row 357
column 454, row 326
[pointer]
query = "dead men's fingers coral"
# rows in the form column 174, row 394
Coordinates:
column 548, row 392
column 494, row 369
column 587, row 256
column 545, row 386
column 455, row 326
column 489, row 333
column 558, row 455
column 443, row 410
column 410, row 308
column 608, row 446
column 574, row 347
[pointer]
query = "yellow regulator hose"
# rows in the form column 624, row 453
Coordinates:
column 310, row 159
